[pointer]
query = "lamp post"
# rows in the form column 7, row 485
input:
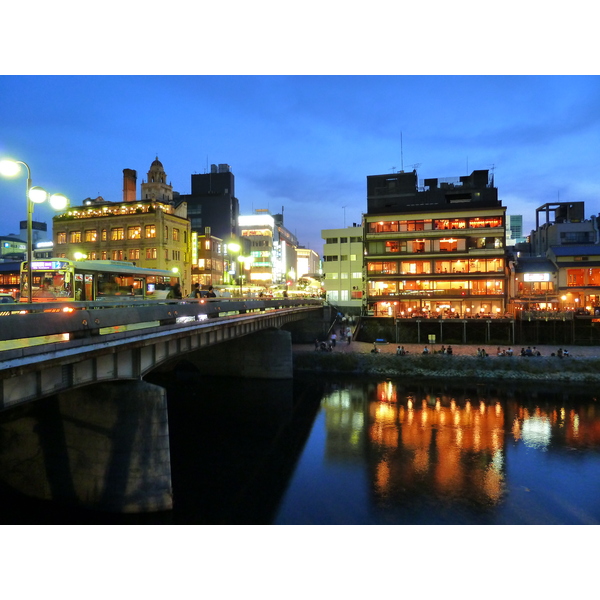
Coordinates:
column 34, row 195
column 235, row 248
column 246, row 261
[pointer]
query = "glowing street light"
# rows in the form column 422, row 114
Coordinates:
column 34, row 195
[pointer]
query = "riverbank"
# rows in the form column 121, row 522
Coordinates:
column 582, row 366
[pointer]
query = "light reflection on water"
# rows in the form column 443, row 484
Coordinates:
column 453, row 456
column 358, row 451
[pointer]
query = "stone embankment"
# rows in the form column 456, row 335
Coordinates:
column 582, row 366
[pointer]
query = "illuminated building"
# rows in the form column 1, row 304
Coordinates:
column 272, row 248
column 572, row 244
column 208, row 259
column 434, row 249
column 148, row 232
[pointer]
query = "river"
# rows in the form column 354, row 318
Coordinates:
column 367, row 451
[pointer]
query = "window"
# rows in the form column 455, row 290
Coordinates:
column 331, row 241
column 150, row 231
column 576, row 237
column 75, row 237
column 332, row 295
column 343, row 240
column 344, row 257
column 166, row 233
column 151, row 253
column 383, row 226
column 175, row 235
column 134, row 233
column 485, row 222
column 344, row 275
column 450, row 223
column 449, row 245
column 355, row 240
column 420, row 225
column 332, row 275
column 357, row 275
column 134, row 254
column 117, row 233
column 104, row 235
column 388, row 268
column 117, row 255
column 344, row 295
column 104, row 255
column 330, row 258
column 61, row 238
column 91, row 235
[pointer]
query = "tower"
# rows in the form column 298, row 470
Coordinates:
column 156, row 186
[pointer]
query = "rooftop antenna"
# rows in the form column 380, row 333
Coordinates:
column 401, row 154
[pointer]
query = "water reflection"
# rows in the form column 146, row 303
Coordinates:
column 360, row 451
column 443, row 454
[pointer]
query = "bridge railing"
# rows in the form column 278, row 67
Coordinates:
column 73, row 320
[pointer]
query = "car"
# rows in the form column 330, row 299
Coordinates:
column 6, row 298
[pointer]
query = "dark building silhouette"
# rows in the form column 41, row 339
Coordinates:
column 212, row 203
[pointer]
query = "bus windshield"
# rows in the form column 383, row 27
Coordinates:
column 51, row 280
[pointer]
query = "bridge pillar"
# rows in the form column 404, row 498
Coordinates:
column 262, row 355
column 102, row 447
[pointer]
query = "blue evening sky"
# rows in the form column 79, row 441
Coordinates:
column 303, row 134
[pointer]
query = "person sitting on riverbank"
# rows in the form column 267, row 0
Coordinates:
column 426, row 350
column 481, row 352
column 375, row 349
column 400, row 351
column 449, row 350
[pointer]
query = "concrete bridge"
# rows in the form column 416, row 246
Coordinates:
column 103, row 439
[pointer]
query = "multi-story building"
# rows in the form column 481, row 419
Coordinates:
column 149, row 232
column 12, row 248
column 272, row 248
column 343, row 267
column 208, row 259
column 434, row 249
column 514, row 230
column 213, row 204
column 307, row 262
column 567, row 247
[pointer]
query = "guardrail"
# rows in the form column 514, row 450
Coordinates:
column 88, row 319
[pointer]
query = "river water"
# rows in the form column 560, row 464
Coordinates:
column 367, row 451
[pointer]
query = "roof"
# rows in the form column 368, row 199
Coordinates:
column 578, row 250
column 534, row 265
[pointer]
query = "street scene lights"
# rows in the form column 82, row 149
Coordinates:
column 33, row 195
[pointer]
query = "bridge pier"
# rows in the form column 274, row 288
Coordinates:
column 263, row 355
column 102, row 447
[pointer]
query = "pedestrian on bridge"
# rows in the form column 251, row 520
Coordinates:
column 175, row 292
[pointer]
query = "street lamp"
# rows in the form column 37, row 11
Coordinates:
column 34, row 195
column 235, row 248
